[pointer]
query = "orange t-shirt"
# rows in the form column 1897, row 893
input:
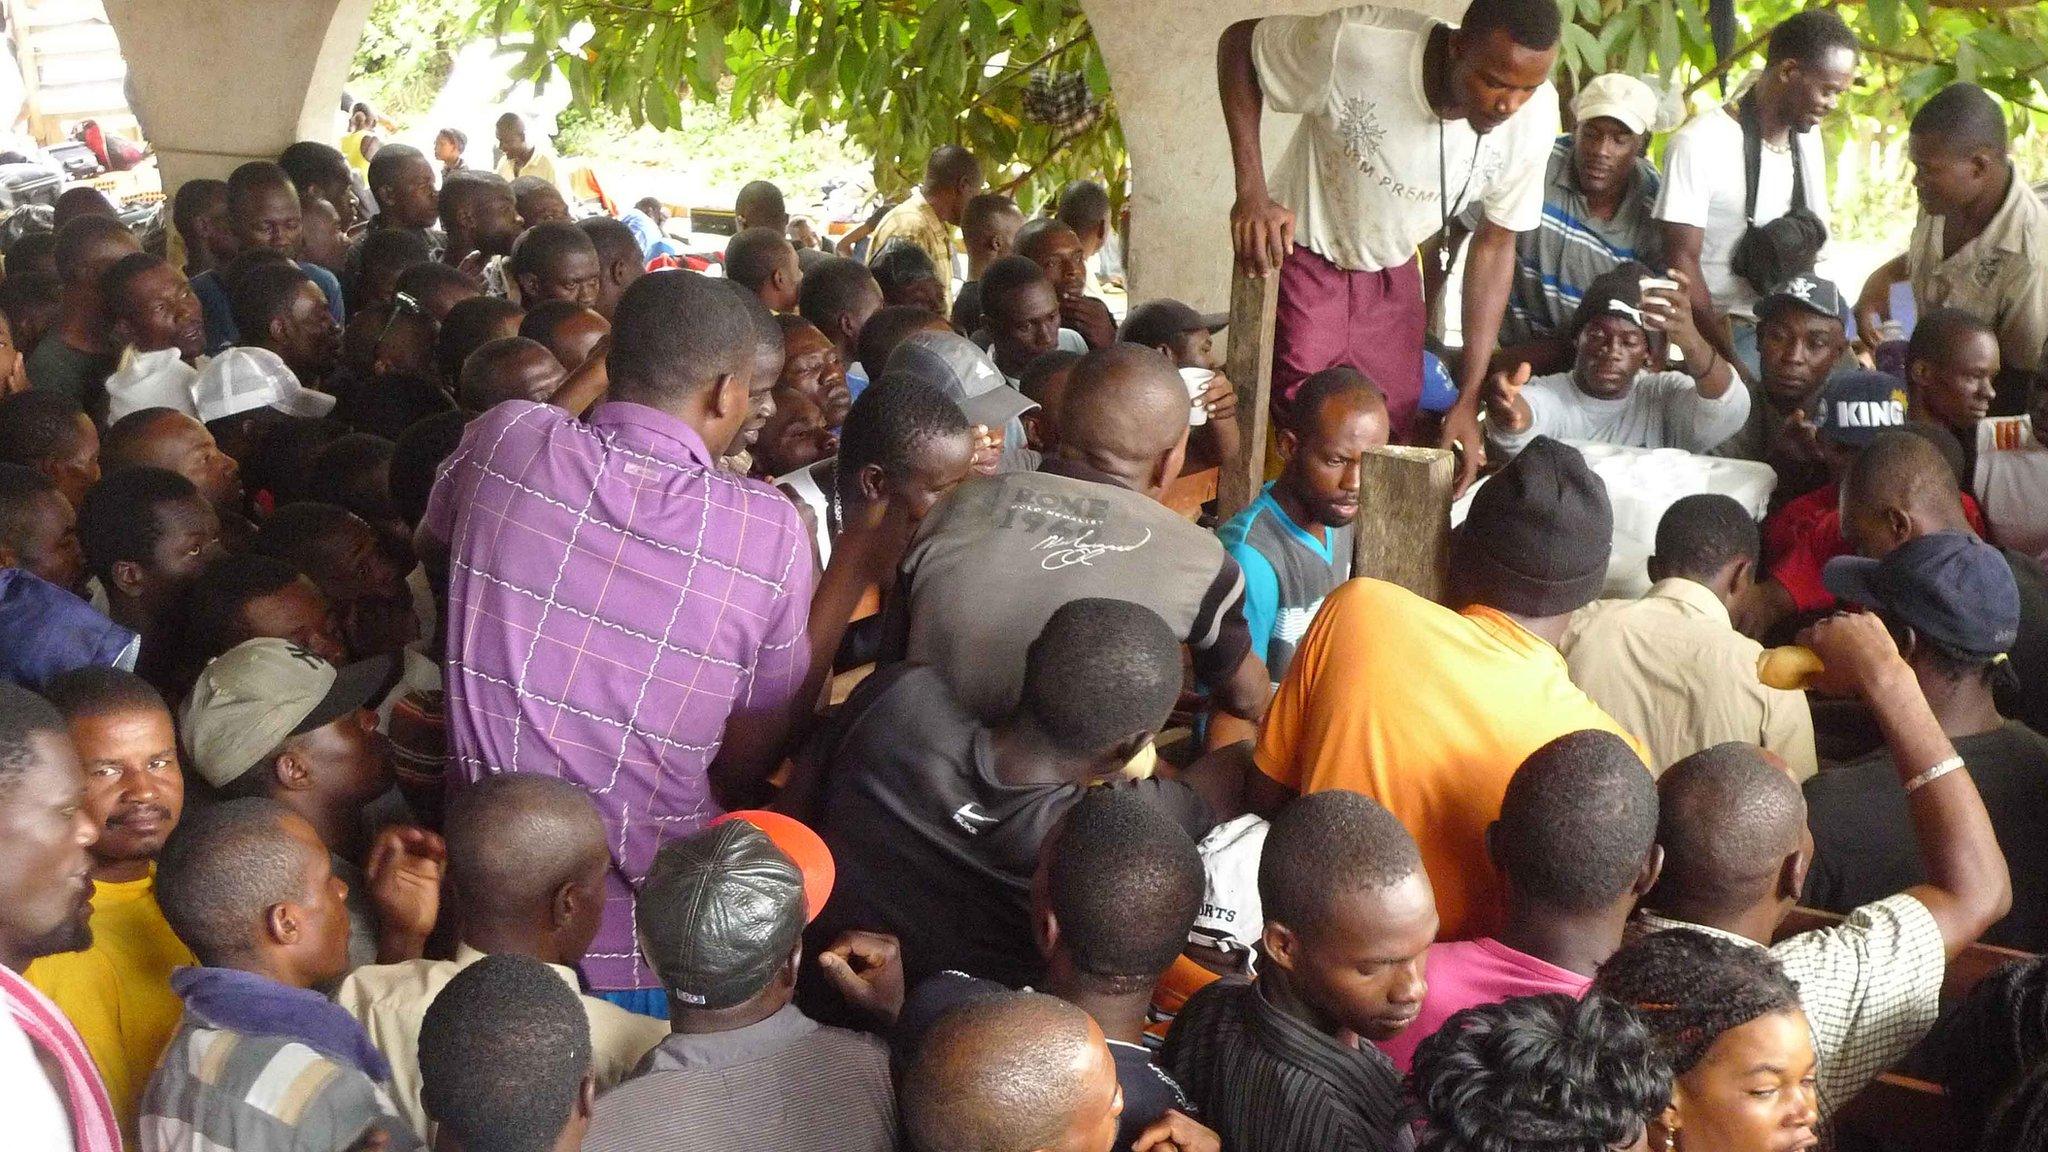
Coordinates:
column 1429, row 712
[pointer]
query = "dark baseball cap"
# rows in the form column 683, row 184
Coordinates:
column 953, row 365
column 1853, row 407
column 1157, row 322
column 1807, row 291
column 1615, row 292
column 1950, row 587
column 1537, row 538
column 719, row 912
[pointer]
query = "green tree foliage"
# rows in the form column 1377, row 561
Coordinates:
column 407, row 50
column 900, row 77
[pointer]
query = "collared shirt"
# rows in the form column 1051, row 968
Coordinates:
column 1871, row 987
column 614, row 599
column 1288, row 570
column 785, row 1084
column 999, row 556
column 1267, row 1082
column 540, row 162
column 1429, row 712
column 1997, row 274
column 1557, row 259
column 1672, row 669
column 117, row 992
column 391, row 1001
column 915, row 221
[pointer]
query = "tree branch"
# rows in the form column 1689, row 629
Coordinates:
column 1010, row 74
column 1051, row 153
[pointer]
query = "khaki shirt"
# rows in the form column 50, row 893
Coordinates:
column 1998, row 275
column 914, row 220
column 1671, row 668
column 392, row 999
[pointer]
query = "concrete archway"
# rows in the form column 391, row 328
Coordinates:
column 1162, row 64
column 217, row 83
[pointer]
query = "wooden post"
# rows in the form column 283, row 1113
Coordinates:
column 1254, row 303
column 1404, row 518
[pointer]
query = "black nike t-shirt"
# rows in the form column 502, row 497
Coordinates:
column 928, row 844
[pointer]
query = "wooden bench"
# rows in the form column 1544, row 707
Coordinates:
column 1899, row 1112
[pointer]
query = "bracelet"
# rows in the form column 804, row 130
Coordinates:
column 1935, row 773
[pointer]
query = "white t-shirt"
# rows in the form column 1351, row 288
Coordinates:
column 37, row 1119
column 1662, row 410
column 1370, row 165
column 1705, row 186
column 2012, row 483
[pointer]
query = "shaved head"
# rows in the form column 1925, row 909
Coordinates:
column 999, row 1075
column 1903, row 470
column 514, row 840
column 1125, row 404
column 1727, row 819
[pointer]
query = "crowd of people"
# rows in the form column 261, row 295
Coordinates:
column 467, row 683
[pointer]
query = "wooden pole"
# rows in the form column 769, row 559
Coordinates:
column 1404, row 518
column 1254, row 303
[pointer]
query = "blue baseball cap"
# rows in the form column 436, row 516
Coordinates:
column 1950, row 587
column 1438, row 393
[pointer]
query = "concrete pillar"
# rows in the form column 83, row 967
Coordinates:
column 1162, row 66
column 216, row 83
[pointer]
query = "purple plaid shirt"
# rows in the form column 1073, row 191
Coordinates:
column 613, row 597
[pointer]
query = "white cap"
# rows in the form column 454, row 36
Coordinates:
column 240, row 379
column 1231, row 918
column 159, row 379
column 1618, row 96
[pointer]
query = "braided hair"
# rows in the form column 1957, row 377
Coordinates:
column 1689, row 988
column 1539, row 1074
column 2021, row 1122
column 1985, row 1046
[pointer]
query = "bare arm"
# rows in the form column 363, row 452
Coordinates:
column 1261, row 231
column 1874, row 304
column 1489, row 276
column 755, row 742
column 1666, row 311
column 1247, row 692
column 1682, row 251
column 1968, row 888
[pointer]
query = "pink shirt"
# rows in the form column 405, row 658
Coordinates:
column 1467, row 973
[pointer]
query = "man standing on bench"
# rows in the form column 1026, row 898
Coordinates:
column 1404, row 122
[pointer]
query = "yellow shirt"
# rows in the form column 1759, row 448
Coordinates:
column 1672, row 667
column 540, row 163
column 391, row 1001
column 914, row 221
column 118, row 992
column 1429, row 712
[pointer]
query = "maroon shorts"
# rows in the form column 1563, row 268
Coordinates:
column 1373, row 321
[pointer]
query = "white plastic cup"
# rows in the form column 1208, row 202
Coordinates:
column 1197, row 380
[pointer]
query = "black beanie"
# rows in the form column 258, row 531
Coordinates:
column 1537, row 538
